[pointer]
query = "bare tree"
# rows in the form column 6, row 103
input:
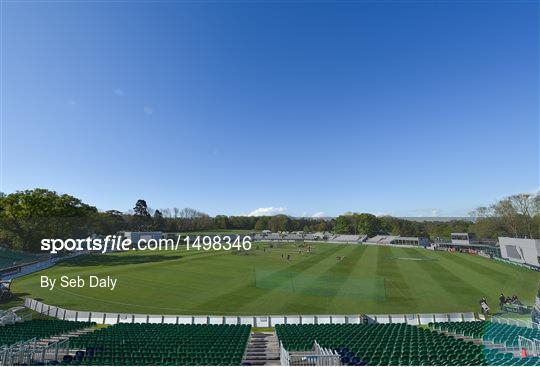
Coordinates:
column 481, row 212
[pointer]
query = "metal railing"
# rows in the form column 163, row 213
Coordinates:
column 529, row 345
column 515, row 322
column 31, row 352
column 54, row 351
column 19, row 353
column 318, row 356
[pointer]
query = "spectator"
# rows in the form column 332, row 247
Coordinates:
column 502, row 301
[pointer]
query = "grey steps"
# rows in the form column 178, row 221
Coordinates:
column 262, row 349
column 488, row 344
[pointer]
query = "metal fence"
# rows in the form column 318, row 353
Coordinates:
column 53, row 351
column 515, row 322
column 256, row 321
column 8, row 317
column 531, row 346
column 32, row 352
column 19, row 353
column 318, row 356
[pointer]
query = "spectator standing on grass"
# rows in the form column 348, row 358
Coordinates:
column 502, row 301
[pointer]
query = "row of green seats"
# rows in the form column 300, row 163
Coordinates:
column 39, row 329
column 393, row 344
column 163, row 344
column 489, row 331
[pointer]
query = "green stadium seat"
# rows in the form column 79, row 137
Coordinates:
column 165, row 344
column 397, row 344
column 39, row 329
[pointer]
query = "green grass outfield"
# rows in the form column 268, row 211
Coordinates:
column 368, row 279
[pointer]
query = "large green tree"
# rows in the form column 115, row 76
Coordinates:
column 158, row 222
column 141, row 215
column 279, row 223
column 31, row 215
column 343, row 225
column 367, row 224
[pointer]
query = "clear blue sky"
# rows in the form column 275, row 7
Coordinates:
column 404, row 108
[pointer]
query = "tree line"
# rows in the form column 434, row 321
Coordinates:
column 28, row 216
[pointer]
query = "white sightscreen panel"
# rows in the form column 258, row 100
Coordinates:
column 169, row 320
column 308, row 319
column 185, row 320
column 111, row 318
column 277, row 320
column 40, row 307
column 70, row 315
column 323, row 320
column 261, row 321
column 468, row 316
column 371, row 318
column 426, row 318
column 34, row 305
column 47, row 309
column 455, row 316
column 125, row 318
column 141, row 318
column 97, row 317
column 354, row 319
column 60, row 313
column 200, row 320
column 338, row 319
column 383, row 319
column 215, row 320
column 83, row 316
column 411, row 319
column 155, row 319
column 441, row 317
column 52, row 311
column 398, row 319
column 293, row 320
column 231, row 320
column 246, row 320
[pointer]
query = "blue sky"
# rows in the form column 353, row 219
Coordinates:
column 404, row 108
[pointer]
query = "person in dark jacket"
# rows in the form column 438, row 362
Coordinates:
column 502, row 301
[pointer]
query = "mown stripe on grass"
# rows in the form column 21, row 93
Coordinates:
column 497, row 283
column 246, row 293
column 344, row 269
column 466, row 260
column 397, row 289
column 309, row 286
column 447, row 279
column 346, row 266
